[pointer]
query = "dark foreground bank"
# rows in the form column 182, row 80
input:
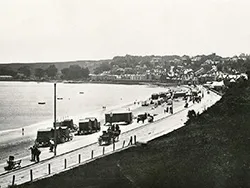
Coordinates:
column 212, row 150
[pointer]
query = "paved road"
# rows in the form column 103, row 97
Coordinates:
column 163, row 125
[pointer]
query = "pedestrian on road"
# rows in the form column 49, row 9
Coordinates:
column 52, row 145
column 37, row 153
column 171, row 109
column 32, row 153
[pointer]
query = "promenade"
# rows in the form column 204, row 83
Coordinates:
column 85, row 149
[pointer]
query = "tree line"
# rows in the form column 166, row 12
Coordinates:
column 74, row 72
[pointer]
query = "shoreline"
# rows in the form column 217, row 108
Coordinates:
column 149, row 133
column 85, row 139
column 122, row 82
column 13, row 142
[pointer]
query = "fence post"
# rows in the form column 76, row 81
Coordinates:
column 65, row 163
column 92, row 154
column 79, row 158
column 31, row 175
column 49, row 170
column 130, row 141
column 13, row 180
column 114, row 146
column 135, row 139
column 103, row 150
column 123, row 144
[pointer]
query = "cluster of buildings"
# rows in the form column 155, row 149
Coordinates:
column 183, row 70
column 179, row 72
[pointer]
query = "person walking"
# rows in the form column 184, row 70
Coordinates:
column 32, row 153
column 37, row 153
column 52, row 145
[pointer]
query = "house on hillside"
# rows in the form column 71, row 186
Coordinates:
column 6, row 77
column 102, row 77
column 155, row 60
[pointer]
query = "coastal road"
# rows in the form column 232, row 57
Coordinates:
column 163, row 125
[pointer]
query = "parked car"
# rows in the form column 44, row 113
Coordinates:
column 45, row 135
column 88, row 125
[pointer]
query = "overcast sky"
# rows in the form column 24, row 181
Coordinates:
column 58, row 30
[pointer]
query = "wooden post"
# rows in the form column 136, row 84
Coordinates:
column 31, row 175
column 92, row 154
column 79, row 158
column 55, row 140
column 114, row 146
column 49, row 169
column 65, row 163
column 123, row 144
column 135, row 139
column 130, row 141
column 13, row 180
column 103, row 150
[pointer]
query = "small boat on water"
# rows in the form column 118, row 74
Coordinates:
column 81, row 92
column 59, row 98
column 41, row 102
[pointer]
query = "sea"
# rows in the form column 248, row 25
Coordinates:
column 19, row 101
column 21, row 115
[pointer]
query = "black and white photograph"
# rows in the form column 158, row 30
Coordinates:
column 124, row 94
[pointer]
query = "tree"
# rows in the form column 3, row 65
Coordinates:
column 85, row 72
column 75, row 72
column 7, row 71
column 25, row 70
column 65, row 73
column 219, row 67
column 39, row 72
column 103, row 67
column 163, row 78
column 51, row 71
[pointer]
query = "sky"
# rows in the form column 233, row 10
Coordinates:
column 63, row 30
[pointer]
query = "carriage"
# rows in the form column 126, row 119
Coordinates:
column 13, row 164
column 109, row 137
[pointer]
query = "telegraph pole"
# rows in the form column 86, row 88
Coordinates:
column 55, row 143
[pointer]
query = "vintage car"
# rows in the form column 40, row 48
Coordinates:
column 109, row 136
column 88, row 126
column 45, row 135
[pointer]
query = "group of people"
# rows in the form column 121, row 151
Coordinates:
column 169, row 109
column 113, row 128
column 35, row 153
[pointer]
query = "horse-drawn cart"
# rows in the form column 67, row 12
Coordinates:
column 109, row 137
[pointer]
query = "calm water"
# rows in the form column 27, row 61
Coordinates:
column 19, row 100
